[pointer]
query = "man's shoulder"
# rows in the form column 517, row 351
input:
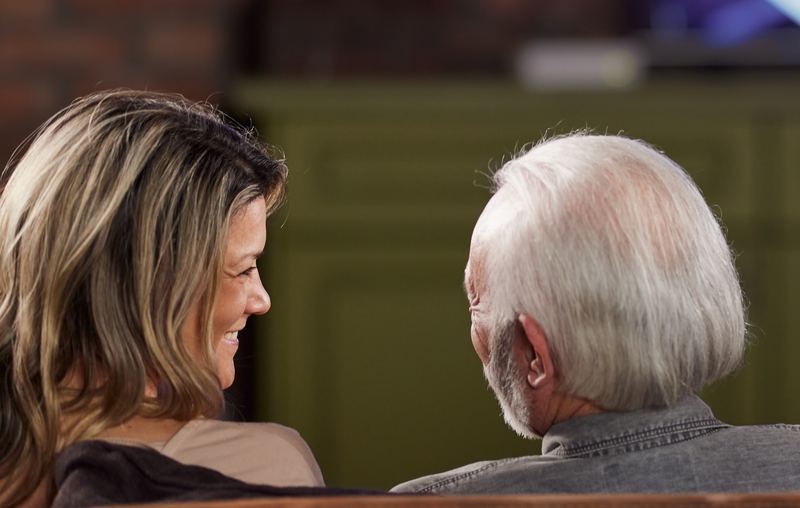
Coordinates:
column 735, row 459
column 765, row 437
column 477, row 478
column 774, row 427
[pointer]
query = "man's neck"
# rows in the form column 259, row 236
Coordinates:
column 565, row 407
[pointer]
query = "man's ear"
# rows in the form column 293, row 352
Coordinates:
column 540, row 369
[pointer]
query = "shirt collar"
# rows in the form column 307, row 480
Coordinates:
column 618, row 432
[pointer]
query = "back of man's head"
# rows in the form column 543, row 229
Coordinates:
column 612, row 249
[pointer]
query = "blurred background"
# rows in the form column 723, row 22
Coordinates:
column 390, row 114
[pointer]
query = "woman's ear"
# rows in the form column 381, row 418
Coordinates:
column 541, row 372
column 150, row 389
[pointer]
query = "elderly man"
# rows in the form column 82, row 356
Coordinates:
column 603, row 294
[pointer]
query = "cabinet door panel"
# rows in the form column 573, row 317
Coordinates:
column 380, row 376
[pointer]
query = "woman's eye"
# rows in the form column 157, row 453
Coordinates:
column 247, row 272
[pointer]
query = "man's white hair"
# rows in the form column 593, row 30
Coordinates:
column 613, row 250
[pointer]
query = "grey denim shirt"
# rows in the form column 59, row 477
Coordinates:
column 678, row 449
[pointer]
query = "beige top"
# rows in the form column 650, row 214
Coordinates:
column 261, row 453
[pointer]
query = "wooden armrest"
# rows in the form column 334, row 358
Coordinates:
column 539, row 501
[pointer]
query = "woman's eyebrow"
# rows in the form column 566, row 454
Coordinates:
column 252, row 254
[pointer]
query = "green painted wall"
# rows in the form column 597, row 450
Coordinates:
column 366, row 350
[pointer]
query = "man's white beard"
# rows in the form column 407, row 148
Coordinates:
column 507, row 382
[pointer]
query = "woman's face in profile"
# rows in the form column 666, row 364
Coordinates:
column 241, row 293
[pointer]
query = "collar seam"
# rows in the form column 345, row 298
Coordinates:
column 709, row 425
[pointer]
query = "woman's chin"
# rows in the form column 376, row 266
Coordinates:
column 227, row 373
column 226, row 349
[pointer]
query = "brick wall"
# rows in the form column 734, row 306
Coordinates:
column 52, row 51
column 329, row 38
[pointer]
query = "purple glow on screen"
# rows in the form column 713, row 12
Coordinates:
column 720, row 22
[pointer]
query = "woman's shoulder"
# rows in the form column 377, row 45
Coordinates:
column 217, row 429
column 254, row 452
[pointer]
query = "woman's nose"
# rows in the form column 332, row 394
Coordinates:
column 259, row 302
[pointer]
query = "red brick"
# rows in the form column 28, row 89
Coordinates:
column 194, row 89
column 507, row 9
column 149, row 7
column 24, row 100
column 196, row 45
column 16, row 11
column 47, row 48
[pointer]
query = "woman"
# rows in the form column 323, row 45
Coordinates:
column 129, row 233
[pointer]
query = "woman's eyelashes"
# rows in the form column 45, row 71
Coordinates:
column 247, row 272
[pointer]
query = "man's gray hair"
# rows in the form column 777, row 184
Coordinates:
column 615, row 253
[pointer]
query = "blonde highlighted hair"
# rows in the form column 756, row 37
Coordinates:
column 113, row 226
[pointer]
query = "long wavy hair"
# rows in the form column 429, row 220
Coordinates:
column 113, row 226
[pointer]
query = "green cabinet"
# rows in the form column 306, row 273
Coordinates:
column 366, row 350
